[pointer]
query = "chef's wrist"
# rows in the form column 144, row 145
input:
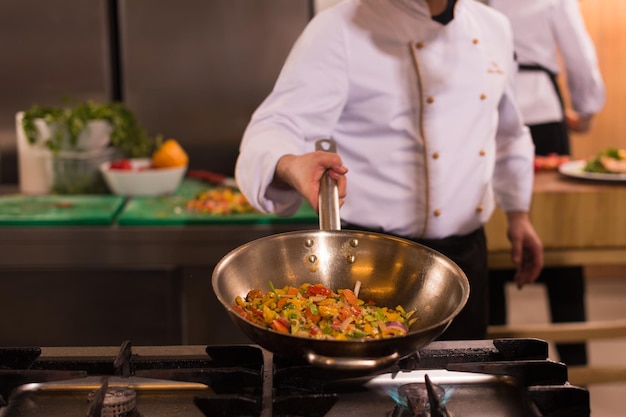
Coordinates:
column 517, row 215
column 281, row 174
column 578, row 121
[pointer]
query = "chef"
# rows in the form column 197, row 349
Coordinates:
column 550, row 37
column 417, row 95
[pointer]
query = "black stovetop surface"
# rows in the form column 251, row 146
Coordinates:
column 504, row 377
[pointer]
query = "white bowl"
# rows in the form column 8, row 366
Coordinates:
column 142, row 180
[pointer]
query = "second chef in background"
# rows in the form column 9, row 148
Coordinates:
column 418, row 96
column 550, row 38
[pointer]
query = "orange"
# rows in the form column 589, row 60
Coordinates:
column 169, row 154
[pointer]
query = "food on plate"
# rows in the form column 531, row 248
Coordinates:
column 550, row 162
column 316, row 311
column 609, row 160
column 169, row 154
column 220, row 200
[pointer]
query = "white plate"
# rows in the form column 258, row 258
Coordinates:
column 575, row 169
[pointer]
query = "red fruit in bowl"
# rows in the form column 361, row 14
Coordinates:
column 121, row 164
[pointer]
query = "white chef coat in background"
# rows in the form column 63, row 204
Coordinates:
column 543, row 27
column 423, row 115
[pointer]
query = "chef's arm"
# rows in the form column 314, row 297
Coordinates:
column 587, row 92
column 308, row 98
column 526, row 248
column 304, row 172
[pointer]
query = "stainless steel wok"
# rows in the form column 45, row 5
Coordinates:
column 392, row 272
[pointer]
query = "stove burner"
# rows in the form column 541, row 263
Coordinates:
column 423, row 399
column 417, row 397
column 117, row 402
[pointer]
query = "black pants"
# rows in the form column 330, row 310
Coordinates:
column 566, row 286
column 469, row 252
column 550, row 138
column 566, row 294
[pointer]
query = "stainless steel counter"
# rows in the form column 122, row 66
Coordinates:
column 136, row 247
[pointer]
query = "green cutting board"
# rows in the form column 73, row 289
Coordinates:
column 170, row 210
column 58, row 210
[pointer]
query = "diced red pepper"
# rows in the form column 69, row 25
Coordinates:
column 282, row 303
column 319, row 289
column 252, row 294
column 257, row 312
column 279, row 326
column 350, row 297
column 315, row 318
column 314, row 331
column 344, row 313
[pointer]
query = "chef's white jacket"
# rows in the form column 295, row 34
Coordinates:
column 552, row 33
column 423, row 115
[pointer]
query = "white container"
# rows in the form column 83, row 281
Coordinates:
column 73, row 172
column 32, row 168
column 141, row 180
column 42, row 171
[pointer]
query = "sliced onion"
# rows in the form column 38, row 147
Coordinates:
column 344, row 324
column 396, row 327
column 357, row 288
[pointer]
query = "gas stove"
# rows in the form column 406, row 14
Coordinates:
column 503, row 377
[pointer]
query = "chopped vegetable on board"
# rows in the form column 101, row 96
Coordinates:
column 220, row 200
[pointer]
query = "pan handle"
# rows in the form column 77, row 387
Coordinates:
column 328, row 201
column 352, row 364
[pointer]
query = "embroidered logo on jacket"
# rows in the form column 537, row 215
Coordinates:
column 494, row 68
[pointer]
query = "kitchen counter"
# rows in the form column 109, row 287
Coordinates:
column 579, row 222
column 144, row 232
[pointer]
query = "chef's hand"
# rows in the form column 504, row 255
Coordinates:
column 527, row 249
column 304, row 172
column 576, row 122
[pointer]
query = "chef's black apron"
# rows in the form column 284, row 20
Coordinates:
column 550, row 137
column 565, row 285
column 469, row 252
